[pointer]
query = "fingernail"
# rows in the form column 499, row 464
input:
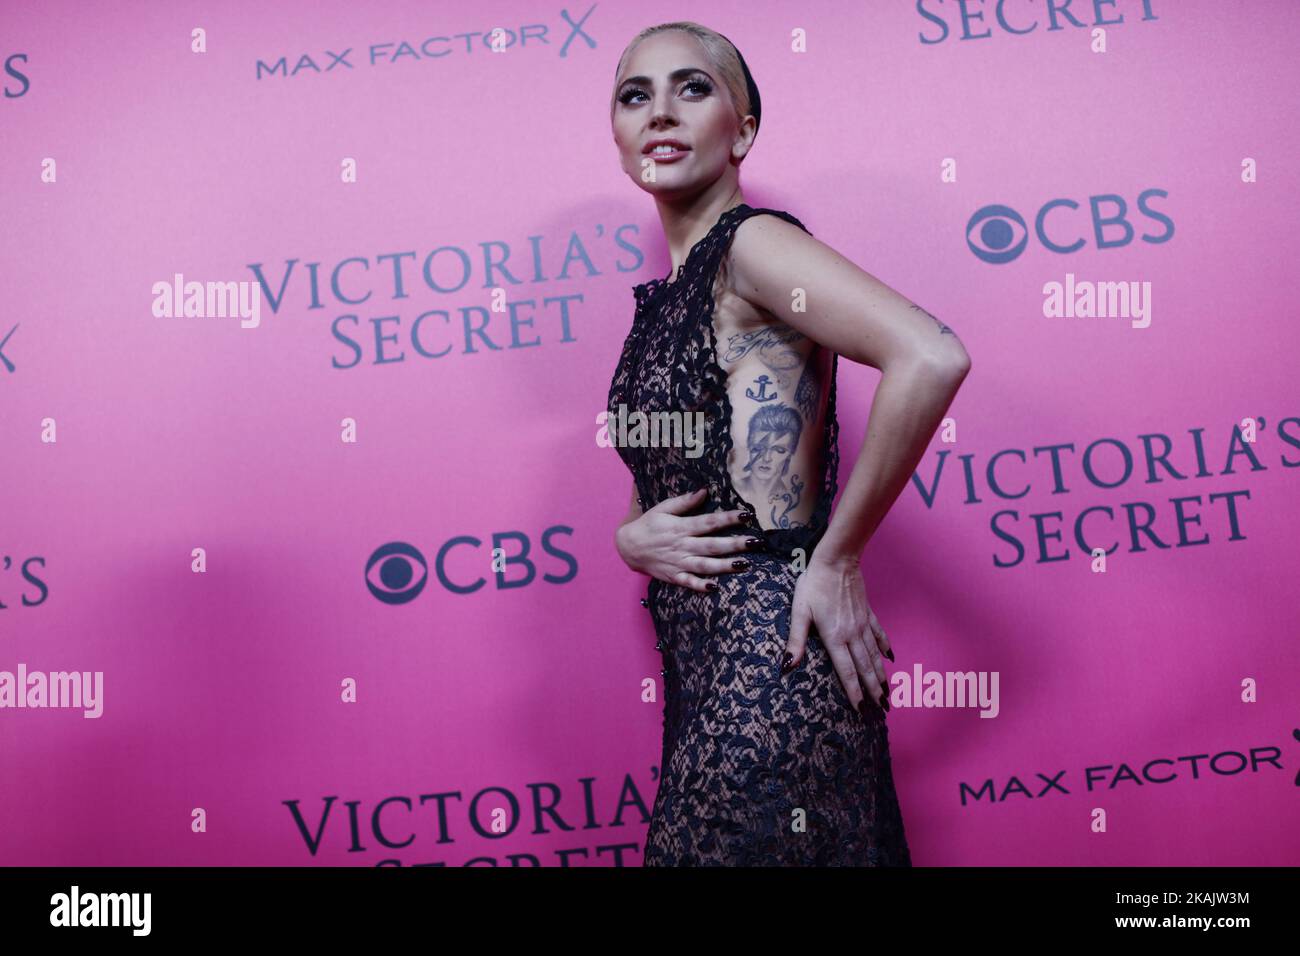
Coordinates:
column 711, row 586
column 740, row 565
column 753, row 542
column 885, row 702
column 786, row 662
column 862, row 707
column 889, row 654
column 747, row 515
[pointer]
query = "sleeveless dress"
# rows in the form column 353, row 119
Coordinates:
column 758, row 768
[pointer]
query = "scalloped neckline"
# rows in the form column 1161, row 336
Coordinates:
column 654, row 285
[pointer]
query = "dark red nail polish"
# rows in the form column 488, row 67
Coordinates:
column 740, row 564
column 890, row 655
column 786, row 662
column 712, row 586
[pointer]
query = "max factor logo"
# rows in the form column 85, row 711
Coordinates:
column 496, row 40
column 4, row 359
column 998, row 234
column 1128, row 778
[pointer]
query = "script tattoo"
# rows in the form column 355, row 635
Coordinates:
column 773, row 346
column 943, row 329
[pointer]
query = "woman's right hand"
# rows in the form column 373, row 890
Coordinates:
column 676, row 548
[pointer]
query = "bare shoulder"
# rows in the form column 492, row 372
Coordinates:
column 773, row 260
column 764, row 246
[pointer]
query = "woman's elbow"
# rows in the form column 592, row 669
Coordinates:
column 955, row 361
column 946, row 360
column 939, row 358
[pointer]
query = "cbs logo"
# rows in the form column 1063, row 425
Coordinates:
column 397, row 572
column 997, row 234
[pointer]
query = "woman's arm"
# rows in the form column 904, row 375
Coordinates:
column 908, row 406
column 776, row 266
column 812, row 288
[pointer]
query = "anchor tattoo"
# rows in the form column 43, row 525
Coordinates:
column 763, row 382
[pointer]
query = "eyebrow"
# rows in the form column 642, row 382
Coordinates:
column 673, row 77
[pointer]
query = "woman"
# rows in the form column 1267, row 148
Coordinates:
column 775, row 747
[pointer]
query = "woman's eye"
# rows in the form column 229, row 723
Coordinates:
column 695, row 87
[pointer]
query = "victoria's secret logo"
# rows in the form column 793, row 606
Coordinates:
column 984, row 19
column 1043, row 528
column 24, row 567
column 13, row 89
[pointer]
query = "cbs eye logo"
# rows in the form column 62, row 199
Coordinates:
column 397, row 566
column 997, row 242
column 998, row 234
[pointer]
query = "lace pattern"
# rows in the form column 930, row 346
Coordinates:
column 758, row 768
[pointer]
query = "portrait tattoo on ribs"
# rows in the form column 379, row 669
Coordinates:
column 773, row 437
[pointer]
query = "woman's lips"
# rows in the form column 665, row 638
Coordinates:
column 660, row 156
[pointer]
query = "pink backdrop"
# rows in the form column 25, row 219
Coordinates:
column 222, row 690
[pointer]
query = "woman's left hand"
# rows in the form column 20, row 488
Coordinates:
column 831, row 596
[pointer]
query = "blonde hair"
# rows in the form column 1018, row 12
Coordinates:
column 726, row 60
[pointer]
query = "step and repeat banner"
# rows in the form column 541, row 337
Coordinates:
column 309, row 315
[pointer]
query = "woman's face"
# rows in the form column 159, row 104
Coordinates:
column 668, row 90
column 770, row 455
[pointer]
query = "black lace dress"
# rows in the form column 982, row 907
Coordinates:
column 758, row 768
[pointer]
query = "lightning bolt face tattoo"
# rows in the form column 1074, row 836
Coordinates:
column 772, row 440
